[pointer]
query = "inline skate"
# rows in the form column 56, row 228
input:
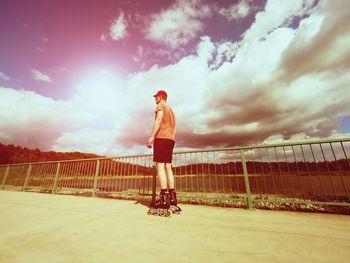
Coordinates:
column 173, row 203
column 161, row 206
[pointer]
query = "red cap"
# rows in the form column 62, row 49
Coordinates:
column 161, row 93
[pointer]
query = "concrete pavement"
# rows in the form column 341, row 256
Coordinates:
column 56, row 228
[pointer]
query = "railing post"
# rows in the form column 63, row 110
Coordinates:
column 246, row 180
column 96, row 177
column 5, row 177
column 54, row 187
column 27, row 177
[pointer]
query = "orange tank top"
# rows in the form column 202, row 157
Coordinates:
column 167, row 127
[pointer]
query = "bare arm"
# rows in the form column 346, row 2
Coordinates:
column 156, row 126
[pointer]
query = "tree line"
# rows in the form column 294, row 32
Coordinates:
column 10, row 154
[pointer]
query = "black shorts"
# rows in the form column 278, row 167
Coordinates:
column 163, row 150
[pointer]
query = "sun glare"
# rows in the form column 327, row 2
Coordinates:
column 100, row 90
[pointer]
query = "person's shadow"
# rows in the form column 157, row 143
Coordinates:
column 143, row 201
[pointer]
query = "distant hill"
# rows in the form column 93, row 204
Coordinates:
column 17, row 154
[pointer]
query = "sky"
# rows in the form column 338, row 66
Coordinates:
column 79, row 75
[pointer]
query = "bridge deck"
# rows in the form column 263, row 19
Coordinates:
column 54, row 228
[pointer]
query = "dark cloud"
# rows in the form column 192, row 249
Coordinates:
column 261, row 109
column 40, row 134
column 327, row 50
column 217, row 139
column 137, row 128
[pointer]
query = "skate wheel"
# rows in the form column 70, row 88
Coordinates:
column 175, row 209
column 163, row 213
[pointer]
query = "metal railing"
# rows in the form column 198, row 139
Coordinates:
column 310, row 172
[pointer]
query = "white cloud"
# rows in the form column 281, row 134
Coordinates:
column 224, row 52
column 276, row 13
column 290, row 83
column 117, row 30
column 38, row 75
column 205, row 49
column 29, row 119
column 4, row 76
column 88, row 140
column 185, row 83
column 246, row 98
column 96, row 113
column 281, row 84
column 321, row 42
column 179, row 24
column 237, row 10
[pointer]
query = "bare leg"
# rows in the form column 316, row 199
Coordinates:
column 170, row 175
column 172, row 194
column 162, row 205
column 161, row 175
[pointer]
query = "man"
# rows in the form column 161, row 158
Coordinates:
column 163, row 140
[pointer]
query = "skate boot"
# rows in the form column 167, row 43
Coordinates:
column 173, row 203
column 161, row 206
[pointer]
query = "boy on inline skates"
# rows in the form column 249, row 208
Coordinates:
column 163, row 140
